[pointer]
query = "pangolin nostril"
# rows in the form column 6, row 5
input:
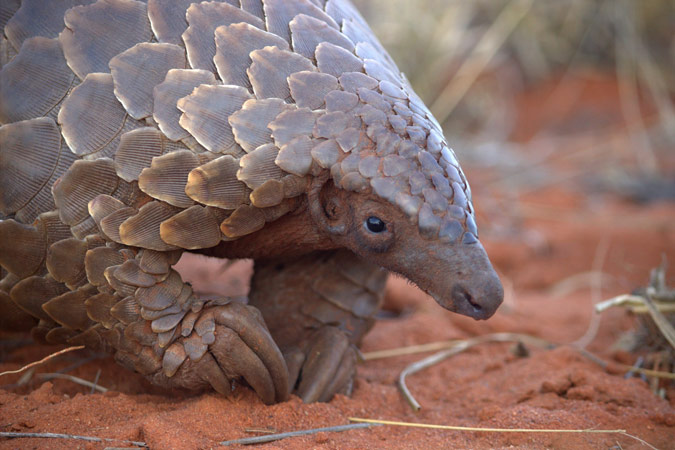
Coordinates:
column 475, row 305
column 461, row 295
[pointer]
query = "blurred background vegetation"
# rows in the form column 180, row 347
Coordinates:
column 544, row 91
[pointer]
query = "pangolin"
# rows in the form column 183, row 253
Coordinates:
column 277, row 130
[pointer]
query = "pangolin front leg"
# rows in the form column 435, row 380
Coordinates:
column 317, row 309
column 137, row 306
column 179, row 340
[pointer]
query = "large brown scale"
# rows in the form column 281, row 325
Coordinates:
column 278, row 130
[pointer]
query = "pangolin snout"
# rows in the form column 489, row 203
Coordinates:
column 461, row 279
column 480, row 299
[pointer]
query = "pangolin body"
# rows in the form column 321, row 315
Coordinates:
column 278, row 130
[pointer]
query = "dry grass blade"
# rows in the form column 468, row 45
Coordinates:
column 661, row 322
column 410, row 350
column 657, row 300
column 625, row 368
column 496, row 430
column 577, row 282
column 485, row 50
column 487, row 430
column 63, row 376
column 635, row 303
column 260, row 430
column 644, row 65
column 46, row 358
column 445, row 345
column 598, row 261
column 626, row 56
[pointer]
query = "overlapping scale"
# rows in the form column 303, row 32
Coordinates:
column 167, row 18
column 65, row 261
column 309, row 89
column 206, row 112
column 295, row 157
column 359, row 31
column 270, row 193
column 43, row 200
column 110, row 224
column 137, row 148
column 130, row 272
column 246, row 219
column 82, row 183
column 259, row 166
column 335, row 60
column 250, row 123
column 102, row 206
column 203, row 19
column 29, row 155
column 98, row 309
column 92, row 118
column 307, row 33
column 167, row 176
column 177, row 84
column 97, row 260
column 68, row 309
column 35, row 81
column 142, row 229
column 138, row 70
column 234, row 43
column 33, row 292
column 37, row 18
column 254, row 7
column 216, row 184
column 291, row 124
column 193, row 228
column 278, row 13
column 97, row 32
column 270, row 70
column 22, row 248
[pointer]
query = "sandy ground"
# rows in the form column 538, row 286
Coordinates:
column 549, row 245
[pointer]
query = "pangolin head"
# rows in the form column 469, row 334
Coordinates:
column 400, row 198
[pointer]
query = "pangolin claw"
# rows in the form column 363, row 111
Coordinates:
column 328, row 368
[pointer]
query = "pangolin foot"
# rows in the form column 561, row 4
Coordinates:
column 325, row 367
column 229, row 343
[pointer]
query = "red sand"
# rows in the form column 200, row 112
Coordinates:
column 487, row 386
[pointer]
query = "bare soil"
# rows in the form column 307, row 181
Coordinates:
column 557, row 248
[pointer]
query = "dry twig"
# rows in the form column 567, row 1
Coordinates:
column 11, row 434
column 456, row 348
column 453, row 347
column 276, row 437
column 46, row 358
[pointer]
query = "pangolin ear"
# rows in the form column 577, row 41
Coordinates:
column 328, row 207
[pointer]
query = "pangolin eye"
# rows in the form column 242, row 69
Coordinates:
column 375, row 224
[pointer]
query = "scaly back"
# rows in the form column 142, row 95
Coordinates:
column 176, row 125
